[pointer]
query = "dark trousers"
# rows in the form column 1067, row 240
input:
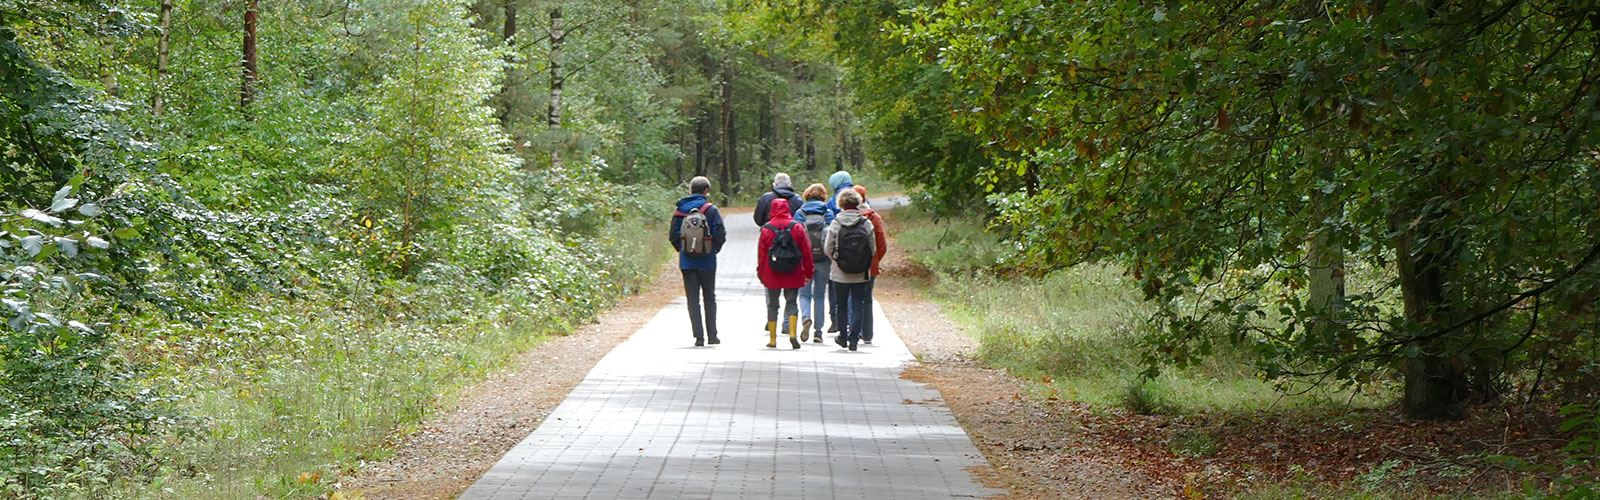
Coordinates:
column 833, row 305
column 791, row 308
column 866, row 323
column 854, row 309
column 696, row 283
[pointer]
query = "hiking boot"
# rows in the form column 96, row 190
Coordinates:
column 839, row 339
column 793, row 323
column 713, row 340
column 805, row 330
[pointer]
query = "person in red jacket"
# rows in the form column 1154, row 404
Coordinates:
column 880, row 235
column 775, row 253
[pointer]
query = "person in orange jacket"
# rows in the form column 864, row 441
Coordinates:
column 784, row 265
column 881, row 236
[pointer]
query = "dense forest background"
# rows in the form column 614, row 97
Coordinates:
column 242, row 241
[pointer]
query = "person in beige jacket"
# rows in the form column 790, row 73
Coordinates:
column 851, row 245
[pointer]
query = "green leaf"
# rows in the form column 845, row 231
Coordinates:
column 33, row 245
column 41, row 217
column 62, row 193
column 68, row 246
column 63, row 204
column 126, row 233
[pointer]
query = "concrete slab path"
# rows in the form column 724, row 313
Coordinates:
column 659, row 418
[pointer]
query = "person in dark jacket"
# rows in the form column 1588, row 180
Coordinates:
column 777, row 283
column 782, row 189
column 699, row 272
column 815, row 294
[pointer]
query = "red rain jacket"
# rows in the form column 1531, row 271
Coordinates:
column 799, row 276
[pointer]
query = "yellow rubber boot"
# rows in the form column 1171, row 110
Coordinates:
column 772, row 334
column 794, row 322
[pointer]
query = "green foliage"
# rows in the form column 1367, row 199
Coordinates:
column 216, row 300
column 1190, row 141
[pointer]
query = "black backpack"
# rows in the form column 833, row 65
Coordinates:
column 784, row 254
column 816, row 228
column 855, row 248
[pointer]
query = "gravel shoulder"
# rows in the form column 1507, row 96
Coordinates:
column 1037, row 449
column 451, row 449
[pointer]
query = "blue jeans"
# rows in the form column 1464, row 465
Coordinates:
column 815, row 294
column 855, row 308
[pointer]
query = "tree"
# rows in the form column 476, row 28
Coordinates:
column 1451, row 141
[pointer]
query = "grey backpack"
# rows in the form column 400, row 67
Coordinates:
column 696, row 233
column 816, row 225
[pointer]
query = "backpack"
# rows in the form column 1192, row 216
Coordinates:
column 783, row 255
column 816, row 225
column 696, row 233
column 855, row 248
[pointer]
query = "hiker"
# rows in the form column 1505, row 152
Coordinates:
column 838, row 183
column 851, row 245
column 784, row 265
column 782, row 189
column 698, row 234
column 880, row 235
column 815, row 215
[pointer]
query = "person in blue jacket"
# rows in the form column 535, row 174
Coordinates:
column 815, row 293
column 699, row 271
column 838, row 182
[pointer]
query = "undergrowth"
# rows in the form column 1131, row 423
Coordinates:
column 284, row 394
column 1076, row 332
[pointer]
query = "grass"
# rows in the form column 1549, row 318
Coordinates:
column 292, row 393
column 1076, row 332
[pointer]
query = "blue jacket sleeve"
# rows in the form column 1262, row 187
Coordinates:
column 675, row 233
column 719, row 233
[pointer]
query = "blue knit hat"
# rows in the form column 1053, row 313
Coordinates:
column 839, row 178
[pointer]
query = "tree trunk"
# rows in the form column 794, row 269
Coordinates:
column 247, row 85
column 764, row 129
column 1326, row 255
column 508, row 33
column 558, row 39
column 811, row 149
column 158, row 103
column 627, row 155
column 699, row 143
column 677, row 161
column 1435, row 379
column 729, row 142
column 108, row 74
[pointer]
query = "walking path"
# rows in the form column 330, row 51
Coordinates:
column 657, row 418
